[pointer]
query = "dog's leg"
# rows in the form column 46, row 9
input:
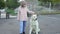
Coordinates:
column 38, row 27
column 30, row 30
column 36, row 30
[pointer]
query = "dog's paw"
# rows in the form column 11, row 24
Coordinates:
column 38, row 30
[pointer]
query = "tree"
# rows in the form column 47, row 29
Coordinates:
column 56, row 1
column 12, row 4
column 51, row 3
column 2, row 4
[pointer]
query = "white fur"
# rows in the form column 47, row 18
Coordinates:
column 34, row 24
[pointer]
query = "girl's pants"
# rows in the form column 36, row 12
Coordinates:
column 22, row 26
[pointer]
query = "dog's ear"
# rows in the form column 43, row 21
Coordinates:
column 38, row 13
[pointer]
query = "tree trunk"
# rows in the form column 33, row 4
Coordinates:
column 7, row 15
column 50, row 5
column 0, row 14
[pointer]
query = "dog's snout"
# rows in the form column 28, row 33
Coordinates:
column 36, row 19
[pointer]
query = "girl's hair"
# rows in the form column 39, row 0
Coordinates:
column 23, row 2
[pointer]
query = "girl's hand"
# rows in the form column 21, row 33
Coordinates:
column 18, row 20
column 34, row 13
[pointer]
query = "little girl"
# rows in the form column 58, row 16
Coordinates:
column 22, row 16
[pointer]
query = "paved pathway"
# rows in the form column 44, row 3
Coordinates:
column 49, row 24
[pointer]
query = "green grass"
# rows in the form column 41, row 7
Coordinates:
column 44, row 12
column 47, row 12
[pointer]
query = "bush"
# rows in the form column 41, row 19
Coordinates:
column 10, row 11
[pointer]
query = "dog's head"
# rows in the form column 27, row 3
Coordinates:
column 34, row 17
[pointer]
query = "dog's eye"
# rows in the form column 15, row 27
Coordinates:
column 35, row 19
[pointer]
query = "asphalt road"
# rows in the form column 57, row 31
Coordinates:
column 49, row 24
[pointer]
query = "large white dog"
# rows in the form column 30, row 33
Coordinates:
column 34, row 26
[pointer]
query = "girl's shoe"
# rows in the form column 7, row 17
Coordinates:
column 23, row 32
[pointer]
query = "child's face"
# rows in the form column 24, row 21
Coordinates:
column 23, row 4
